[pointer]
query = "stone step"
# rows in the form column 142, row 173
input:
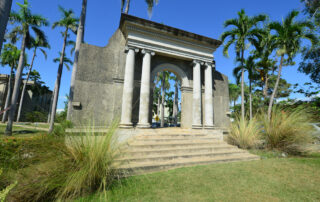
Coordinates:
column 149, row 152
column 142, row 168
column 176, row 157
column 173, row 139
column 171, row 145
column 175, row 136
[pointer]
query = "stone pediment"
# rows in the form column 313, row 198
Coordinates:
column 166, row 40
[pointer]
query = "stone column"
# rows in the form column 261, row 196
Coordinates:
column 196, row 94
column 128, row 86
column 145, row 90
column 208, row 97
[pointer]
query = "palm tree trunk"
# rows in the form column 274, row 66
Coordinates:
column 80, row 37
column 242, row 85
column 158, row 108
column 162, row 100
column 25, row 84
column 57, row 84
column 250, row 99
column 16, row 87
column 275, row 88
column 5, row 8
column 51, row 101
column 175, row 103
column 8, row 98
column 127, row 7
column 265, row 89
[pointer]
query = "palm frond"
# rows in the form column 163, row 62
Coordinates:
column 43, row 52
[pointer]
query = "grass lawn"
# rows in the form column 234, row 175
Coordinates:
column 270, row 179
column 20, row 131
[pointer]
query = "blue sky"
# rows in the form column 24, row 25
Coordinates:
column 204, row 17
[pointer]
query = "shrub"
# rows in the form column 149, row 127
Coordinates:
column 93, row 158
column 60, row 129
column 244, row 133
column 288, row 130
column 71, row 167
column 36, row 116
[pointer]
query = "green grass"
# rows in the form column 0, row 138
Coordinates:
column 270, row 179
column 20, row 131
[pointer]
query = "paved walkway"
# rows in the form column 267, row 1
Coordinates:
column 28, row 127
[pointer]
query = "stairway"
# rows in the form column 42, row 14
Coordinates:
column 153, row 150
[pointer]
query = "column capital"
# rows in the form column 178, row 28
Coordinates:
column 144, row 51
column 197, row 62
column 127, row 48
column 211, row 64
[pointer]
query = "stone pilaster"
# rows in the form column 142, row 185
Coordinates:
column 145, row 90
column 128, row 86
column 208, row 120
column 196, row 123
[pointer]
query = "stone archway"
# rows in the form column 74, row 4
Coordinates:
column 185, row 84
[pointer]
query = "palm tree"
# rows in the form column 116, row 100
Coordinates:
column 245, row 30
column 150, row 4
column 40, row 42
column 288, row 38
column 5, row 8
column 79, row 40
column 264, row 47
column 68, row 22
column 26, row 20
column 10, row 56
column 250, row 67
column 234, row 93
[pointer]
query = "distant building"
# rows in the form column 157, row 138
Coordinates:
column 37, row 97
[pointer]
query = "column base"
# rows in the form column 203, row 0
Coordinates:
column 143, row 125
column 209, row 127
column 196, row 126
column 125, row 125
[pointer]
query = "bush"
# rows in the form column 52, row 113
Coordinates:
column 36, row 116
column 288, row 130
column 72, row 166
column 244, row 133
column 60, row 129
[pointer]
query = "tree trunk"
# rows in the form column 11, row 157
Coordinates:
column 8, row 98
column 275, row 88
column 242, row 86
column 16, row 87
column 57, row 84
column 162, row 99
column 127, row 7
column 51, row 101
column 80, row 37
column 265, row 89
column 5, row 8
column 25, row 84
column 158, row 108
column 250, row 99
column 175, row 103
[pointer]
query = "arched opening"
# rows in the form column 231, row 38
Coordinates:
column 166, row 95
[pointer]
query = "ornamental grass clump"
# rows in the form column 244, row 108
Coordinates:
column 288, row 130
column 244, row 133
column 93, row 159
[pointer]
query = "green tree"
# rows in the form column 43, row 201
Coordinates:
column 234, row 93
column 264, row 47
column 68, row 22
column 40, row 43
column 26, row 20
column 250, row 67
column 288, row 37
column 5, row 8
column 10, row 56
column 165, row 85
column 244, row 29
